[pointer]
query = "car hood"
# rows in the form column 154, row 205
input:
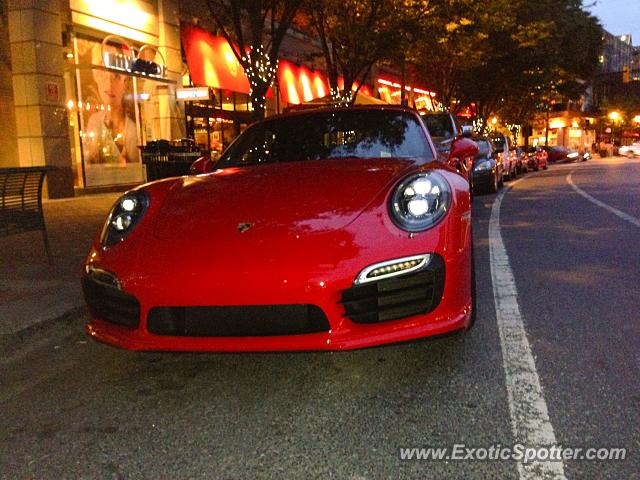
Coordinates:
column 275, row 199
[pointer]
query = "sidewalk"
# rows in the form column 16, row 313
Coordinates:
column 31, row 290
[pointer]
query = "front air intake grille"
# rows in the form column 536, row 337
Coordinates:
column 397, row 297
column 110, row 304
column 237, row 321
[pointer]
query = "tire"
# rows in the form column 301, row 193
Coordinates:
column 544, row 168
column 474, row 303
column 493, row 188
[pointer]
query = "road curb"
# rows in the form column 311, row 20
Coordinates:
column 12, row 342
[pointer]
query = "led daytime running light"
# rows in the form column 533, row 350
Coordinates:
column 392, row 268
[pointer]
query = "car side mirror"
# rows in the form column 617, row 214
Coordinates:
column 202, row 165
column 467, row 131
column 462, row 152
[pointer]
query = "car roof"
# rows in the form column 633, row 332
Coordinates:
column 374, row 108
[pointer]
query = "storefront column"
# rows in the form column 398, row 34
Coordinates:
column 171, row 113
column 8, row 144
column 35, row 37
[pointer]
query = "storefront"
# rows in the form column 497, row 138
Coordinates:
column 391, row 92
column 215, row 91
column 118, row 90
column 566, row 130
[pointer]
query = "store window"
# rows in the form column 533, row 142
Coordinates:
column 116, row 110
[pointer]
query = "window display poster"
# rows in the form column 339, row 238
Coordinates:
column 108, row 116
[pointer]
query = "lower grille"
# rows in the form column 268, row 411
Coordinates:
column 397, row 297
column 110, row 304
column 237, row 321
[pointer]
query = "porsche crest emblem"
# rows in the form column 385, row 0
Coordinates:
column 243, row 227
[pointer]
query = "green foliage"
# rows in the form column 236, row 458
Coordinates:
column 509, row 57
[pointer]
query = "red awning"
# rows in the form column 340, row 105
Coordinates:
column 299, row 84
column 211, row 61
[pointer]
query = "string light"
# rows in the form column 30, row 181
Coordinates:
column 515, row 130
column 339, row 97
column 260, row 71
column 480, row 126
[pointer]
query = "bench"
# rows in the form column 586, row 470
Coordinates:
column 21, row 202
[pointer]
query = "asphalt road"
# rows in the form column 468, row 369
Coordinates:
column 72, row 408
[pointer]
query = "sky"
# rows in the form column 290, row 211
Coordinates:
column 618, row 16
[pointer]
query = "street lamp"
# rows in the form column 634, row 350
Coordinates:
column 615, row 116
column 636, row 119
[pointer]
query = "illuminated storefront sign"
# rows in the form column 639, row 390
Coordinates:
column 195, row 93
column 118, row 55
column 391, row 93
column 299, row 84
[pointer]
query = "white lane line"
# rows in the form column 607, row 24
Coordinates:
column 619, row 213
column 530, row 422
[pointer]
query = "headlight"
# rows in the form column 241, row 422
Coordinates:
column 572, row 155
column 124, row 216
column 420, row 201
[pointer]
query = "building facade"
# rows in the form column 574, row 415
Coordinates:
column 91, row 82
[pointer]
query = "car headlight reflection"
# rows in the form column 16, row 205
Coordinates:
column 124, row 216
column 420, row 201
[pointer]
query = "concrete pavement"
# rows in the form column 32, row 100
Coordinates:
column 31, row 290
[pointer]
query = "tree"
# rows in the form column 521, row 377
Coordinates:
column 547, row 53
column 255, row 30
column 452, row 38
column 354, row 35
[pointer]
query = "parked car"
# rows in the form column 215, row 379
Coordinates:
column 443, row 127
column 537, row 158
column 584, row 156
column 505, row 150
column 559, row 154
column 630, row 150
column 487, row 167
column 369, row 244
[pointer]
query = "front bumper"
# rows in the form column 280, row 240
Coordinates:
column 397, row 309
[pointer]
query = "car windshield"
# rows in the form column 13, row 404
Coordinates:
column 439, row 125
column 326, row 135
column 499, row 143
column 483, row 148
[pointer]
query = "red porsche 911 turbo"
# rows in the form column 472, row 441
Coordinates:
column 328, row 229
